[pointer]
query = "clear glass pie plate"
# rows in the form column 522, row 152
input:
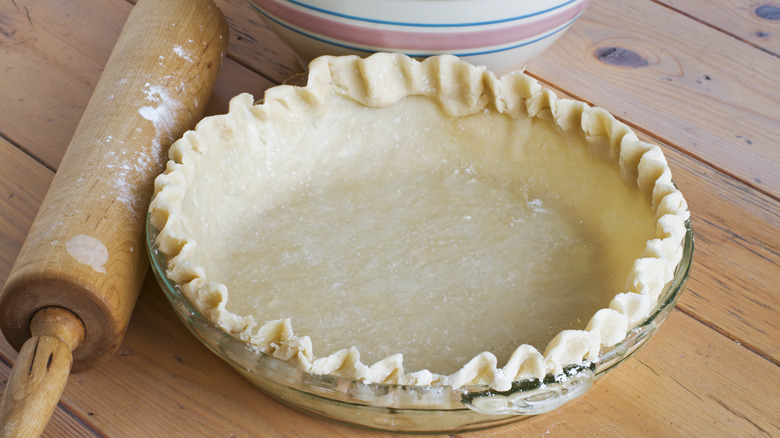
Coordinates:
column 401, row 408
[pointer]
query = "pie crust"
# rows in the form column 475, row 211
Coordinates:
column 432, row 188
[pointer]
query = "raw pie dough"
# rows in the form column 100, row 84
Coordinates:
column 419, row 223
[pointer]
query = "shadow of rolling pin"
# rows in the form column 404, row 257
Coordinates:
column 71, row 291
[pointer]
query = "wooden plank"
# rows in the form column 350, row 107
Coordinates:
column 23, row 183
column 736, row 268
column 254, row 45
column 50, row 70
column 232, row 80
column 52, row 55
column 688, row 381
column 755, row 22
column 692, row 86
column 62, row 424
column 58, row 74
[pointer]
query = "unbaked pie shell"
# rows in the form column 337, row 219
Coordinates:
column 460, row 90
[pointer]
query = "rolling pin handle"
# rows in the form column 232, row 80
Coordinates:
column 40, row 372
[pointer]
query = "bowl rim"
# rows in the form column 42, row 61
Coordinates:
column 519, row 11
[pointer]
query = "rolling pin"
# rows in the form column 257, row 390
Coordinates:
column 71, row 291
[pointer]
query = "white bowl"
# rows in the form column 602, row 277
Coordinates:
column 502, row 35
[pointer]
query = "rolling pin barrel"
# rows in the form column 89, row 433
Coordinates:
column 84, row 257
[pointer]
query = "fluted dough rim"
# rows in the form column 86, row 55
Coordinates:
column 461, row 89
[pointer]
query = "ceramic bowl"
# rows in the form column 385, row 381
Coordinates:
column 502, row 35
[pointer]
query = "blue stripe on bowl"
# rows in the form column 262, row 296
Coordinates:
column 399, row 23
column 413, row 55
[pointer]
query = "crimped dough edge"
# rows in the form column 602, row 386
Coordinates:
column 461, row 89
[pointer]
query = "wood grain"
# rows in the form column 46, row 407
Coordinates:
column 50, row 71
column 232, row 80
column 255, row 46
column 675, row 386
column 753, row 21
column 686, row 382
column 52, row 54
column 23, row 184
column 692, row 86
column 712, row 370
column 737, row 258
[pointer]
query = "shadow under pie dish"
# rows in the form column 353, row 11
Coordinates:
column 418, row 246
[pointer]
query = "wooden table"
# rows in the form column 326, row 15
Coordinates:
column 698, row 77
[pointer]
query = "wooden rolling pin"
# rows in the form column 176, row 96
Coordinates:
column 69, row 296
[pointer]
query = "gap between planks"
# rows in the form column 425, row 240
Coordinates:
column 714, row 27
column 26, row 152
column 721, row 331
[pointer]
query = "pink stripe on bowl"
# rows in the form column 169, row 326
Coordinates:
column 438, row 39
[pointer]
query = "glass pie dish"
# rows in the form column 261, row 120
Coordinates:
column 388, row 189
column 407, row 408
